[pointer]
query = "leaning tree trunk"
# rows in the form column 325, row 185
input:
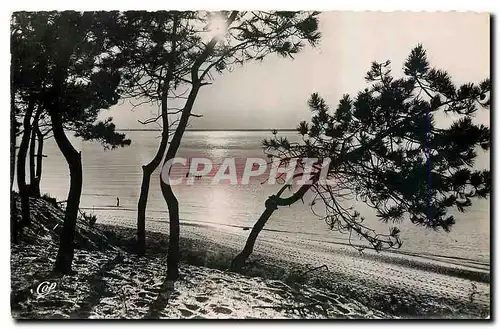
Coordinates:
column 242, row 257
column 147, row 171
column 272, row 204
column 21, row 166
column 73, row 158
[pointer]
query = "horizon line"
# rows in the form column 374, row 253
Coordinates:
column 215, row 129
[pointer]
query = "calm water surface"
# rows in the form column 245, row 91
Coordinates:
column 117, row 173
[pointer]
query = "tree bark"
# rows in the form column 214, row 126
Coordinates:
column 65, row 253
column 21, row 165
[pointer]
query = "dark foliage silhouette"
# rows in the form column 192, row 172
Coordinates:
column 154, row 60
column 182, row 59
column 63, row 63
column 385, row 148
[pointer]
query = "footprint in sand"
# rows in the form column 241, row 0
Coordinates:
column 222, row 309
column 342, row 309
column 265, row 299
column 277, row 284
column 185, row 312
column 341, row 299
column 192, row 307
column 321, row 298
column 198, row 317
column 201, row 299
column 142, row 303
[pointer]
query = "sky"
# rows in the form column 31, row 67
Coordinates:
column 274, row 93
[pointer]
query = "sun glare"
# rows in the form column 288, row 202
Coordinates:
column 217, row 27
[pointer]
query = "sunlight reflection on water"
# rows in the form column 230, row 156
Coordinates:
column 118, row 173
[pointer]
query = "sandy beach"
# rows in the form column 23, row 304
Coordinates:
column 369, row 276
column 282, row 280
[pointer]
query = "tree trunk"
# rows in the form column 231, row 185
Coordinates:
column 32, row 157
column 33, row 190
column 242, row 257
column 173, row 256
column 272, row 204
column 141, row 211
column 13, row 132
column 66, row 244
column 147, row 171
column 73, row 158
column 39, row 160
column 21, row 166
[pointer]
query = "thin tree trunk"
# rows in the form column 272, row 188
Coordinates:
column 242, row 257
column 169, row 196
column 13, row 132
column 39, row 160
column 34, row 184
column 141, row 211
column 73, row 158
column 32, row 156
column 34, row 187
column 21, row 165
column 272, row 204
column 147, row 171
column 173, row 256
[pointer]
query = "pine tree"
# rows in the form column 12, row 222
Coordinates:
column 64, row 63
column 182, row 52
column 384, row 148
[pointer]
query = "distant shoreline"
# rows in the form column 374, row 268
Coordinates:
column 259, row 129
